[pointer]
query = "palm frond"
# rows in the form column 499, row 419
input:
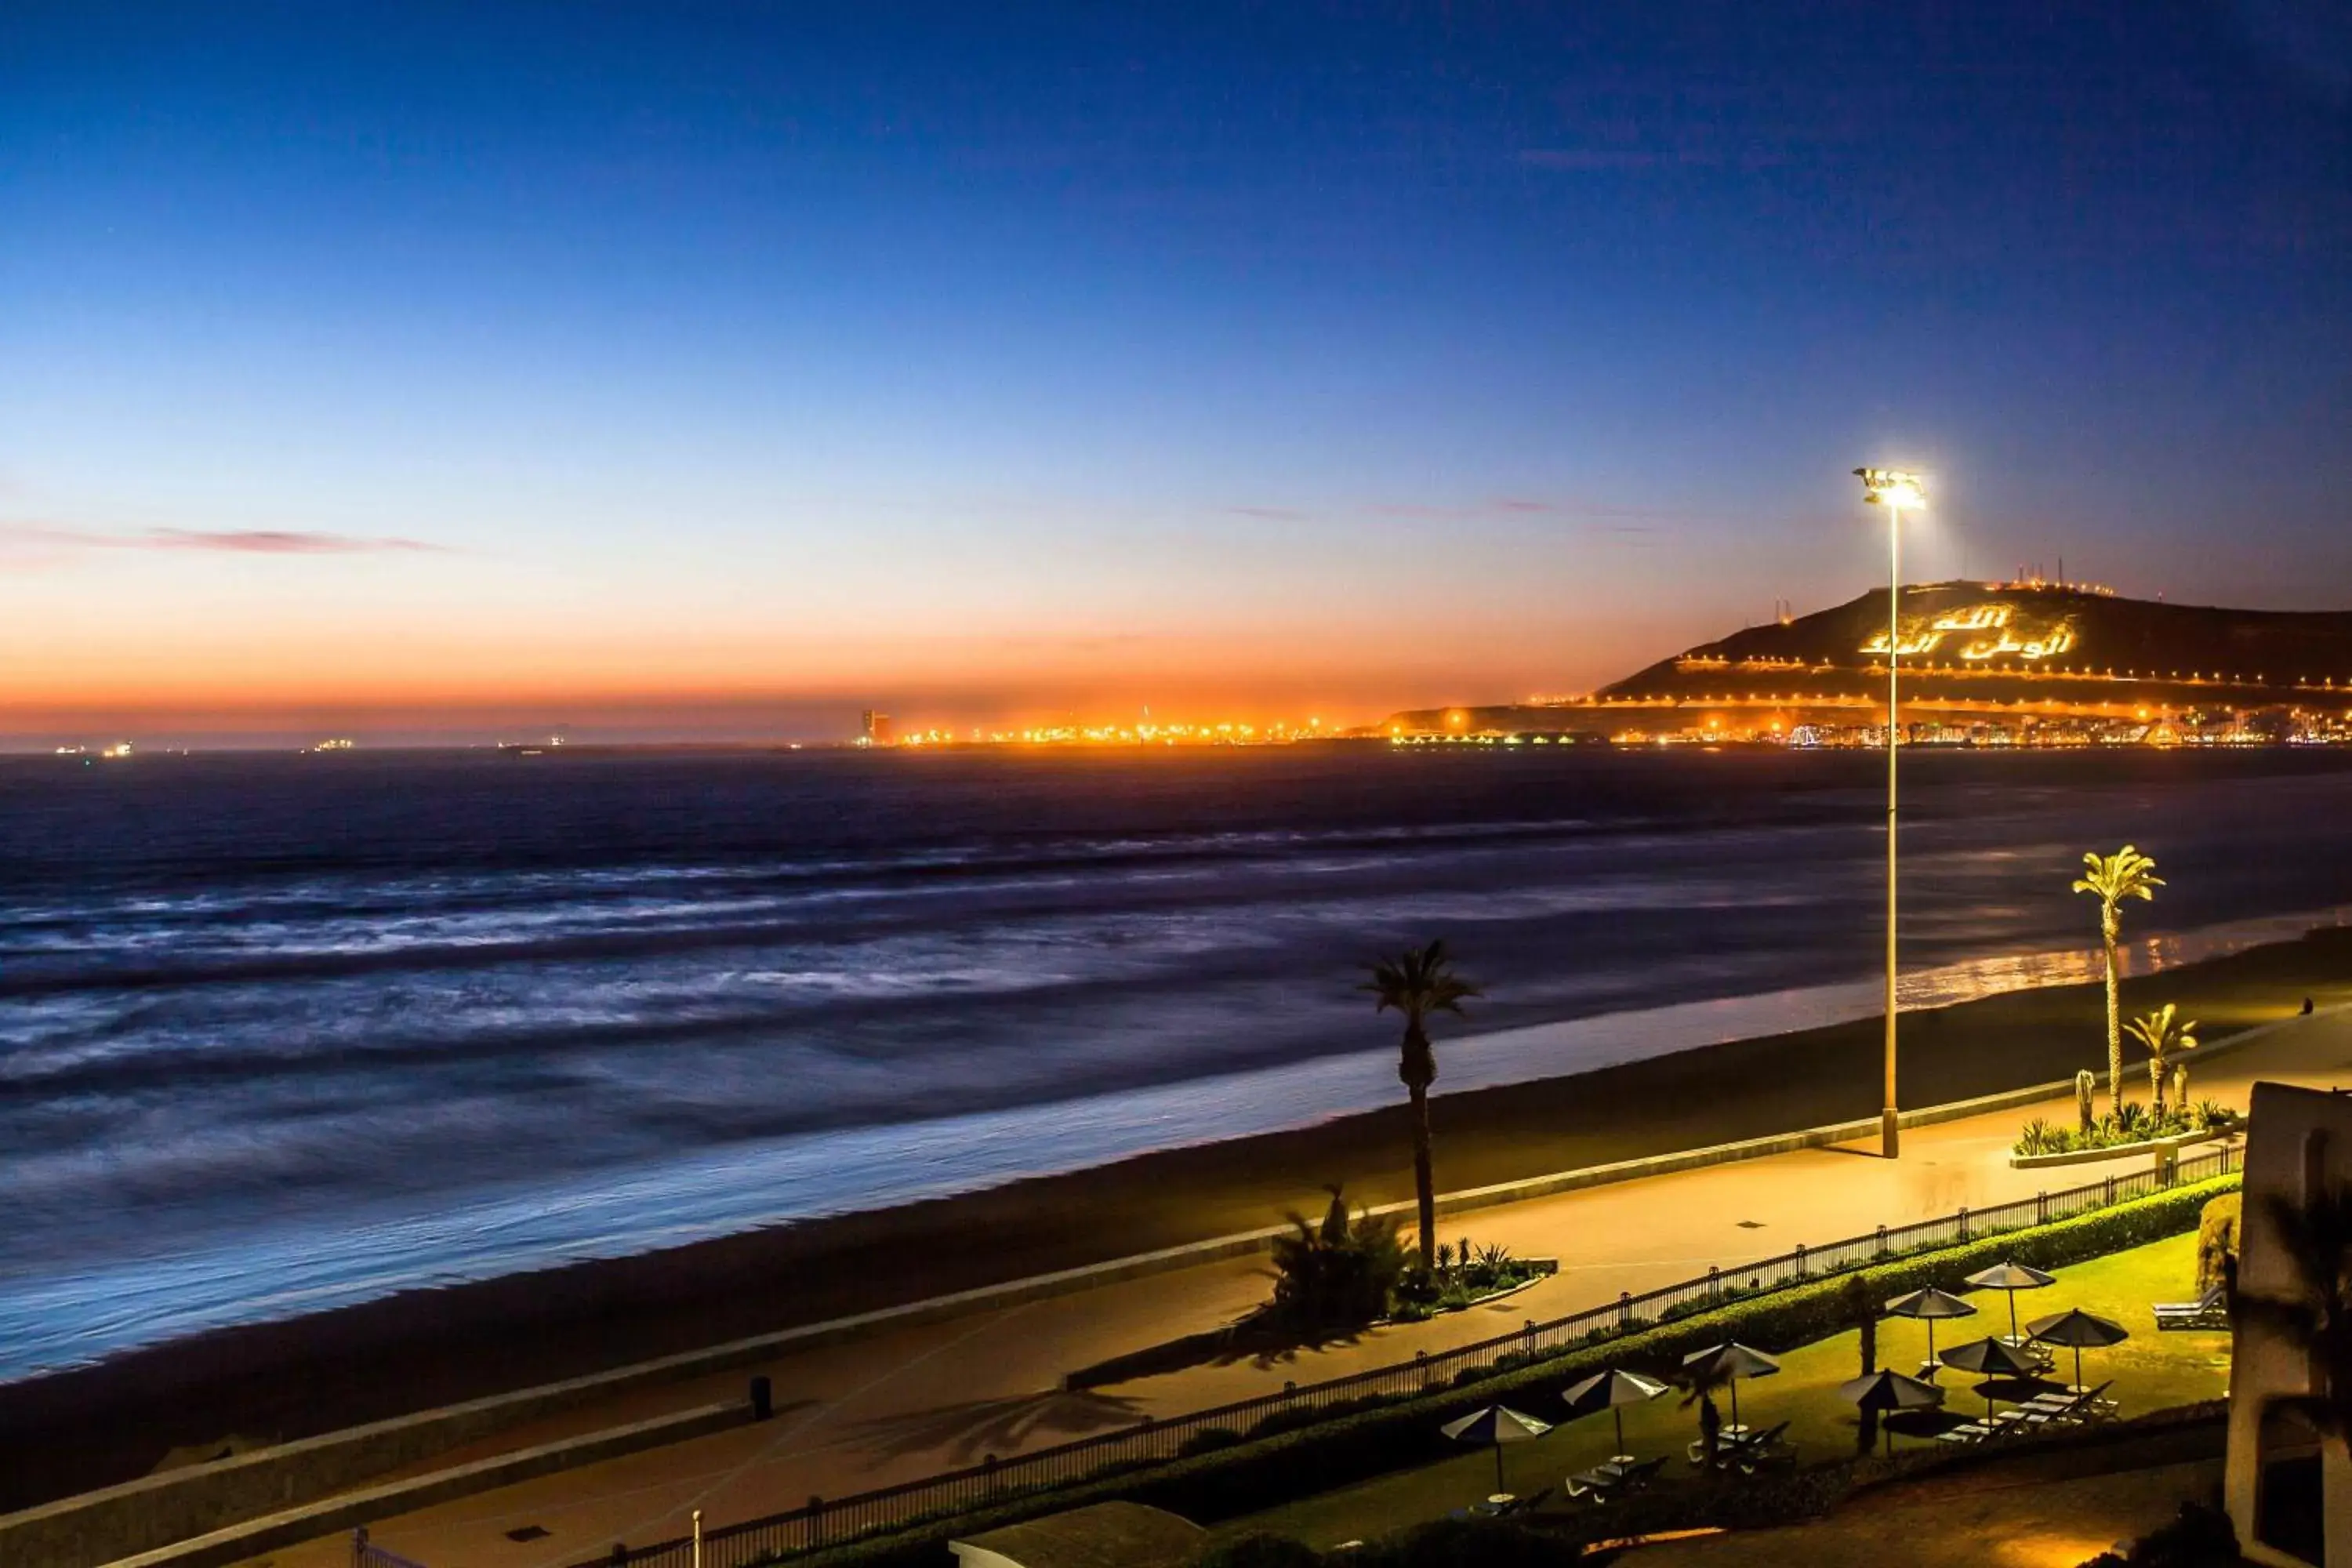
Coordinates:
column 1418, row 982
column 2125, row 874
column 2161, row 1034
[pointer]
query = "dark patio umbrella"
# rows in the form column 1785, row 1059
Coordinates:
column 1497, row 1425
column 1732, row 1361
column 2080, row 1329
column 1888, row 1392
column 1929, row 1305
column 2010, row 1278
column 1989, row 1358
column 1612, row 1391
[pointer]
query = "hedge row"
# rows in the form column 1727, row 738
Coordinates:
column 1289, row 1456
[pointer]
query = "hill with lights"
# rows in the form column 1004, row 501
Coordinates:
column 1973, row 655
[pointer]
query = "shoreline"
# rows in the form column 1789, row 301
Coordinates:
column 707, row 1192
column 87, row 1427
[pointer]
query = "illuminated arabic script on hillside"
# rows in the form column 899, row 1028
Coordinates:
column 1992, row 631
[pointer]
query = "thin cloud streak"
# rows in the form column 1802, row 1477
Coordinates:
column 234, row 542
column 1568, row 510
column 282, row 542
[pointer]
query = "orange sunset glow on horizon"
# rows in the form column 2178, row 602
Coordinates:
column 230, row 643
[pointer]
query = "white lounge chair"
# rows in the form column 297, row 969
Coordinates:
column 2210, row 1311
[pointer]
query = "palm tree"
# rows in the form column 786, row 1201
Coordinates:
column 2162, row 1037
column 2111, row 878
column 1416, row 982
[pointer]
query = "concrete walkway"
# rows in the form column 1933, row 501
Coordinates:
column 914, row 1401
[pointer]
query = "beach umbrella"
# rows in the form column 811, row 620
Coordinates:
column 1731, row 1361
column 1991, row 1358
column 1886, row 1392
column 2010, row 1278
column 2080, row 1329
column 1497, row 1425
column 1612, row 1391
column 1929, row 1306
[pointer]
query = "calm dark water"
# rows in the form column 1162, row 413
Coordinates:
column 278, row 1032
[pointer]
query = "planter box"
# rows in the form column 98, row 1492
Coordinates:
column 2117, row 1151
column 1544, row 1267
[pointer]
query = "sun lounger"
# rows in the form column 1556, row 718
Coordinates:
column 2070, row 1409
column 1591, row 1483
column 2210, row 1311
column 1749, row 1451
column 1605, row 1481
column 1525, row 1504
column 2044, row 1359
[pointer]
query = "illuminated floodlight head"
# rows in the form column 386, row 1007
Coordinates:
column 1893, row 487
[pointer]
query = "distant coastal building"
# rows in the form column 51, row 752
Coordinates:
column 875, row 730
column 2288, row 1483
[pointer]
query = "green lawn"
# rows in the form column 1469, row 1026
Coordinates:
column 2151, row 1371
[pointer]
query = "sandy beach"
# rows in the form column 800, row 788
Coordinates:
column 93, row 1426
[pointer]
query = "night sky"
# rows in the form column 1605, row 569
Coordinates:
column 417, row 369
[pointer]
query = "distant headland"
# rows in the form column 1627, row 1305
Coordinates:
column 1980, row 663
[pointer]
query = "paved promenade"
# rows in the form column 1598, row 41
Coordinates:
column 910, row 1403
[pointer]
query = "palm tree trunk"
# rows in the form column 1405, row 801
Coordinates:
column 2155, row 1086
column 2107, row 934
column 1424, row 1186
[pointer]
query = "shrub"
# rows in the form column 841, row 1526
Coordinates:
column 2132, row 1124
column 2199, row 1537
column 1417, row 1285
column 1208, row 1440
column 1338, row 1276
column 1464, row 1543
column 2217, row 1239
column 1259, row 1550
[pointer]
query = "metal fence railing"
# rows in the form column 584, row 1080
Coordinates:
column 823, row 1523
column 364, row 1554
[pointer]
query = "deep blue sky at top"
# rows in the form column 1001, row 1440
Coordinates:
column 1000, row 354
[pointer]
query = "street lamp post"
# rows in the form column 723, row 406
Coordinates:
column 1894, row 489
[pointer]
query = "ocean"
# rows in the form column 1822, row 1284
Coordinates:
column 279, row 1032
